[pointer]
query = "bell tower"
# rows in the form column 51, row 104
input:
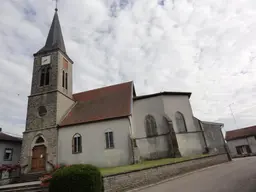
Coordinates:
column 49, row 100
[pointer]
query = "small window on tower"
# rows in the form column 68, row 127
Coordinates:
column 47, row 77
column 66, row 81
column 63, row 78
column 42, row 77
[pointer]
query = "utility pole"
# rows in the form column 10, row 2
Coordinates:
column 233, row 114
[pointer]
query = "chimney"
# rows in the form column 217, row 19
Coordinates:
column 0, row 129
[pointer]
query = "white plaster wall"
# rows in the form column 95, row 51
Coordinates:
column 93, row 144
column 64, row 104
column 180, row 103
column 191, row 142
column 69, row 92
column 233, row 143
column 141, row 108
column 252, row 143
column 156, row 147
column 243, row 141
column 16, row 146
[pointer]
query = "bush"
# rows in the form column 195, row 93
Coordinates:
column 77, row 178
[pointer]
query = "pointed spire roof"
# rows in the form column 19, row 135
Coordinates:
column 55, row 38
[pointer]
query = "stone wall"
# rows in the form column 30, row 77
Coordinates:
column 134, row 179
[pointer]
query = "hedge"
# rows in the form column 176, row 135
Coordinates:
column 77, row 178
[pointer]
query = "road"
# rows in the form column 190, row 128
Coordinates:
column 236, row 176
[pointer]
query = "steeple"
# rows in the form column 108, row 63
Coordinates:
column 55, row 39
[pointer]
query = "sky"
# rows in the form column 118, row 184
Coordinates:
column 207, row 47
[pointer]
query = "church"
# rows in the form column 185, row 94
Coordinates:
column 107, row 127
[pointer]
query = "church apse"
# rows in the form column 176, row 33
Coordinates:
column 160, row 139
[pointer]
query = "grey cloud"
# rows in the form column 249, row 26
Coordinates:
column 203, row 46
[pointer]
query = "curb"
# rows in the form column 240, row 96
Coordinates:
column 176, row 177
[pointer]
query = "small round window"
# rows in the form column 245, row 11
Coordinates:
column 42, row 111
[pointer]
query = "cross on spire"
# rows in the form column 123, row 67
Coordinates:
column 56, row 7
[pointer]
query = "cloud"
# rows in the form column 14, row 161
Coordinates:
column 203, row 46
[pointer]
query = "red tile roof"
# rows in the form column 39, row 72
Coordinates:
column 5, row 137
column 240, row 133
column 100, row 104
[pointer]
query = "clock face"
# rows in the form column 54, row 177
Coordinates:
column 46, row 60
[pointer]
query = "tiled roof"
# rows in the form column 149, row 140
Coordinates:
column 100, row 104
column 5, row 137
column 240, row 133
column 55, row 38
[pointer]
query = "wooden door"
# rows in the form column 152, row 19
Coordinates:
column 38, row 158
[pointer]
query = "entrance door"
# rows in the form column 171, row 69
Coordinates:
column 38, row 158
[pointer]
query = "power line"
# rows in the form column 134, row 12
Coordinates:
column 233, row 115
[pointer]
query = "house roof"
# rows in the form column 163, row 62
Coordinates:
column 5, row 137
column 241, row 133
column 55, row 38
column 162, row 93
column 100, row 104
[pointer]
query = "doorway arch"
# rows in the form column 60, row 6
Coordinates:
column 39, row 154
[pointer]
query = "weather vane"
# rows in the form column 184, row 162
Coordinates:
column 56, row 8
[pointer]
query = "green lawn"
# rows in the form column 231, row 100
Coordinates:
column 144, row 164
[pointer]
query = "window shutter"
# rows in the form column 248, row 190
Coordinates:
column 42, row 77
column 111, row 139
column 79, row 144
column 106, row 139
column 73, row 145
column 47, row 78
column 66, row 80
column 63, row 78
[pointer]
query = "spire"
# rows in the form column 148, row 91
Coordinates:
column 55, row 39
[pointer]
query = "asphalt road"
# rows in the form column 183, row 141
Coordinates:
column 236, row 176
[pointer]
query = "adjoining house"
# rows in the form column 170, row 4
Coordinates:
column 10, row 149
column 242, row 142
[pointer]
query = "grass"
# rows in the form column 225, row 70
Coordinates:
column 145, row 164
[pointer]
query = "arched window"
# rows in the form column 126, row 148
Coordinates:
column 45, row 76
column 150, row 125
column 77, row 143
column 180, row 122
column 109, row 138
column 42, row 77
column 64, row 79
column 39, row 140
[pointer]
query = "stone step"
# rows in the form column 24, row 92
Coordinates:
column 34, row 188
column 23, row 187
column 29, row 177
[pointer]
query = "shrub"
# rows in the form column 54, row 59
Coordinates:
column 46, row 179
column 78, row 178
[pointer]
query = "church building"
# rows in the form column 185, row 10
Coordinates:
column 107, row 127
